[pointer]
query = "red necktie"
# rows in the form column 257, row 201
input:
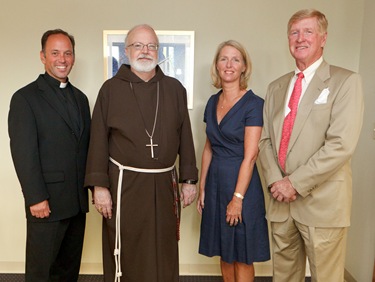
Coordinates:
column 289, row 120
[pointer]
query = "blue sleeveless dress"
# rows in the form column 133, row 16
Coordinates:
column 248, row 241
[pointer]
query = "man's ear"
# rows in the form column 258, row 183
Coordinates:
column 42, row 57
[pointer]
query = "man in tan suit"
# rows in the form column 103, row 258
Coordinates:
column 311, row 186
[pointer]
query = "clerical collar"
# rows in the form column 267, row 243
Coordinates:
column 63, row 84
column 56, row 83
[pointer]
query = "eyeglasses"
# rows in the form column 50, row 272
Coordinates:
column 139, row 46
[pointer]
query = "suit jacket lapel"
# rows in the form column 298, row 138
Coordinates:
column 80, row 111
column 312, row 93
column 51, row 97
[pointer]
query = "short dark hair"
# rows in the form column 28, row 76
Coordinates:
column 48, row 33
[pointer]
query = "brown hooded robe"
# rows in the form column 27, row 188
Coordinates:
column 149, row 245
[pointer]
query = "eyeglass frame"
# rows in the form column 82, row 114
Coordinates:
column 143, row 45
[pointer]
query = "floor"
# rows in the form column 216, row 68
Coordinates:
column 98, row 278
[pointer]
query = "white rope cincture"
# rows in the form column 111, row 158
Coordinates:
column 117, row 250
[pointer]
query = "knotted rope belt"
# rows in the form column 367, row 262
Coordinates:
column 117, row 251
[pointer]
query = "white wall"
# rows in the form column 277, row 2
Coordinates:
column 361, row 247
column 259, row 25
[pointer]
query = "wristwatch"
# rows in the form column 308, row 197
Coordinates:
column 190, row 181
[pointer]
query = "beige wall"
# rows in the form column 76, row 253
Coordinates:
column 361, row 247
column 259, row 25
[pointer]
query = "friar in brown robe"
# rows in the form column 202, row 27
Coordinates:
column 141, row 122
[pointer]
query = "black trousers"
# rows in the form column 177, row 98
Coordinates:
column 54, row 250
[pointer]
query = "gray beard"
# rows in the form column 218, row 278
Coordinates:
column 143, row 67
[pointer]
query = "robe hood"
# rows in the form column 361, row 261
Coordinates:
column 124, row 73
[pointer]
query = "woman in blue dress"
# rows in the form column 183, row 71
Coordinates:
column 231, row 198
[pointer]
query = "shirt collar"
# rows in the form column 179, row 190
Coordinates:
column 310, row 71
column 64, row 84
column 56, row 83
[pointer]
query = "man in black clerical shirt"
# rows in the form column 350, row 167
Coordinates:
column 49, row 123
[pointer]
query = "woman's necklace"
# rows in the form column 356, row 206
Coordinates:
column 151, row 145
column 230, row 103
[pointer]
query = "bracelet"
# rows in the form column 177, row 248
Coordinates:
column 190, row 181
column 238, row 195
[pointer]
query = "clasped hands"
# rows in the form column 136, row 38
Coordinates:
column 283, row 190
column 103, row 201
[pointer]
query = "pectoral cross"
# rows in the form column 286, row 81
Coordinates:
column 152, row 145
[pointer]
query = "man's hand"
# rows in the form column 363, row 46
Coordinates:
column 188, row 193
column 40, row 210
column 283, row 190
column 103, row 201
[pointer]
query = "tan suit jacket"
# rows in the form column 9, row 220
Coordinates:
column 323, row 140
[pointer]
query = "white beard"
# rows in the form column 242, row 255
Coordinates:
column 143, row 66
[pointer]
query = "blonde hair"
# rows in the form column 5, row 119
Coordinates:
column 216, row 80
column 310, row 13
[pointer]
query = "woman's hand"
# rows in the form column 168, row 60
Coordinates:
column 234, row 211
column 200, row 202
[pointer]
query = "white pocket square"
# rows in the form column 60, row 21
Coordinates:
column 322, row 99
